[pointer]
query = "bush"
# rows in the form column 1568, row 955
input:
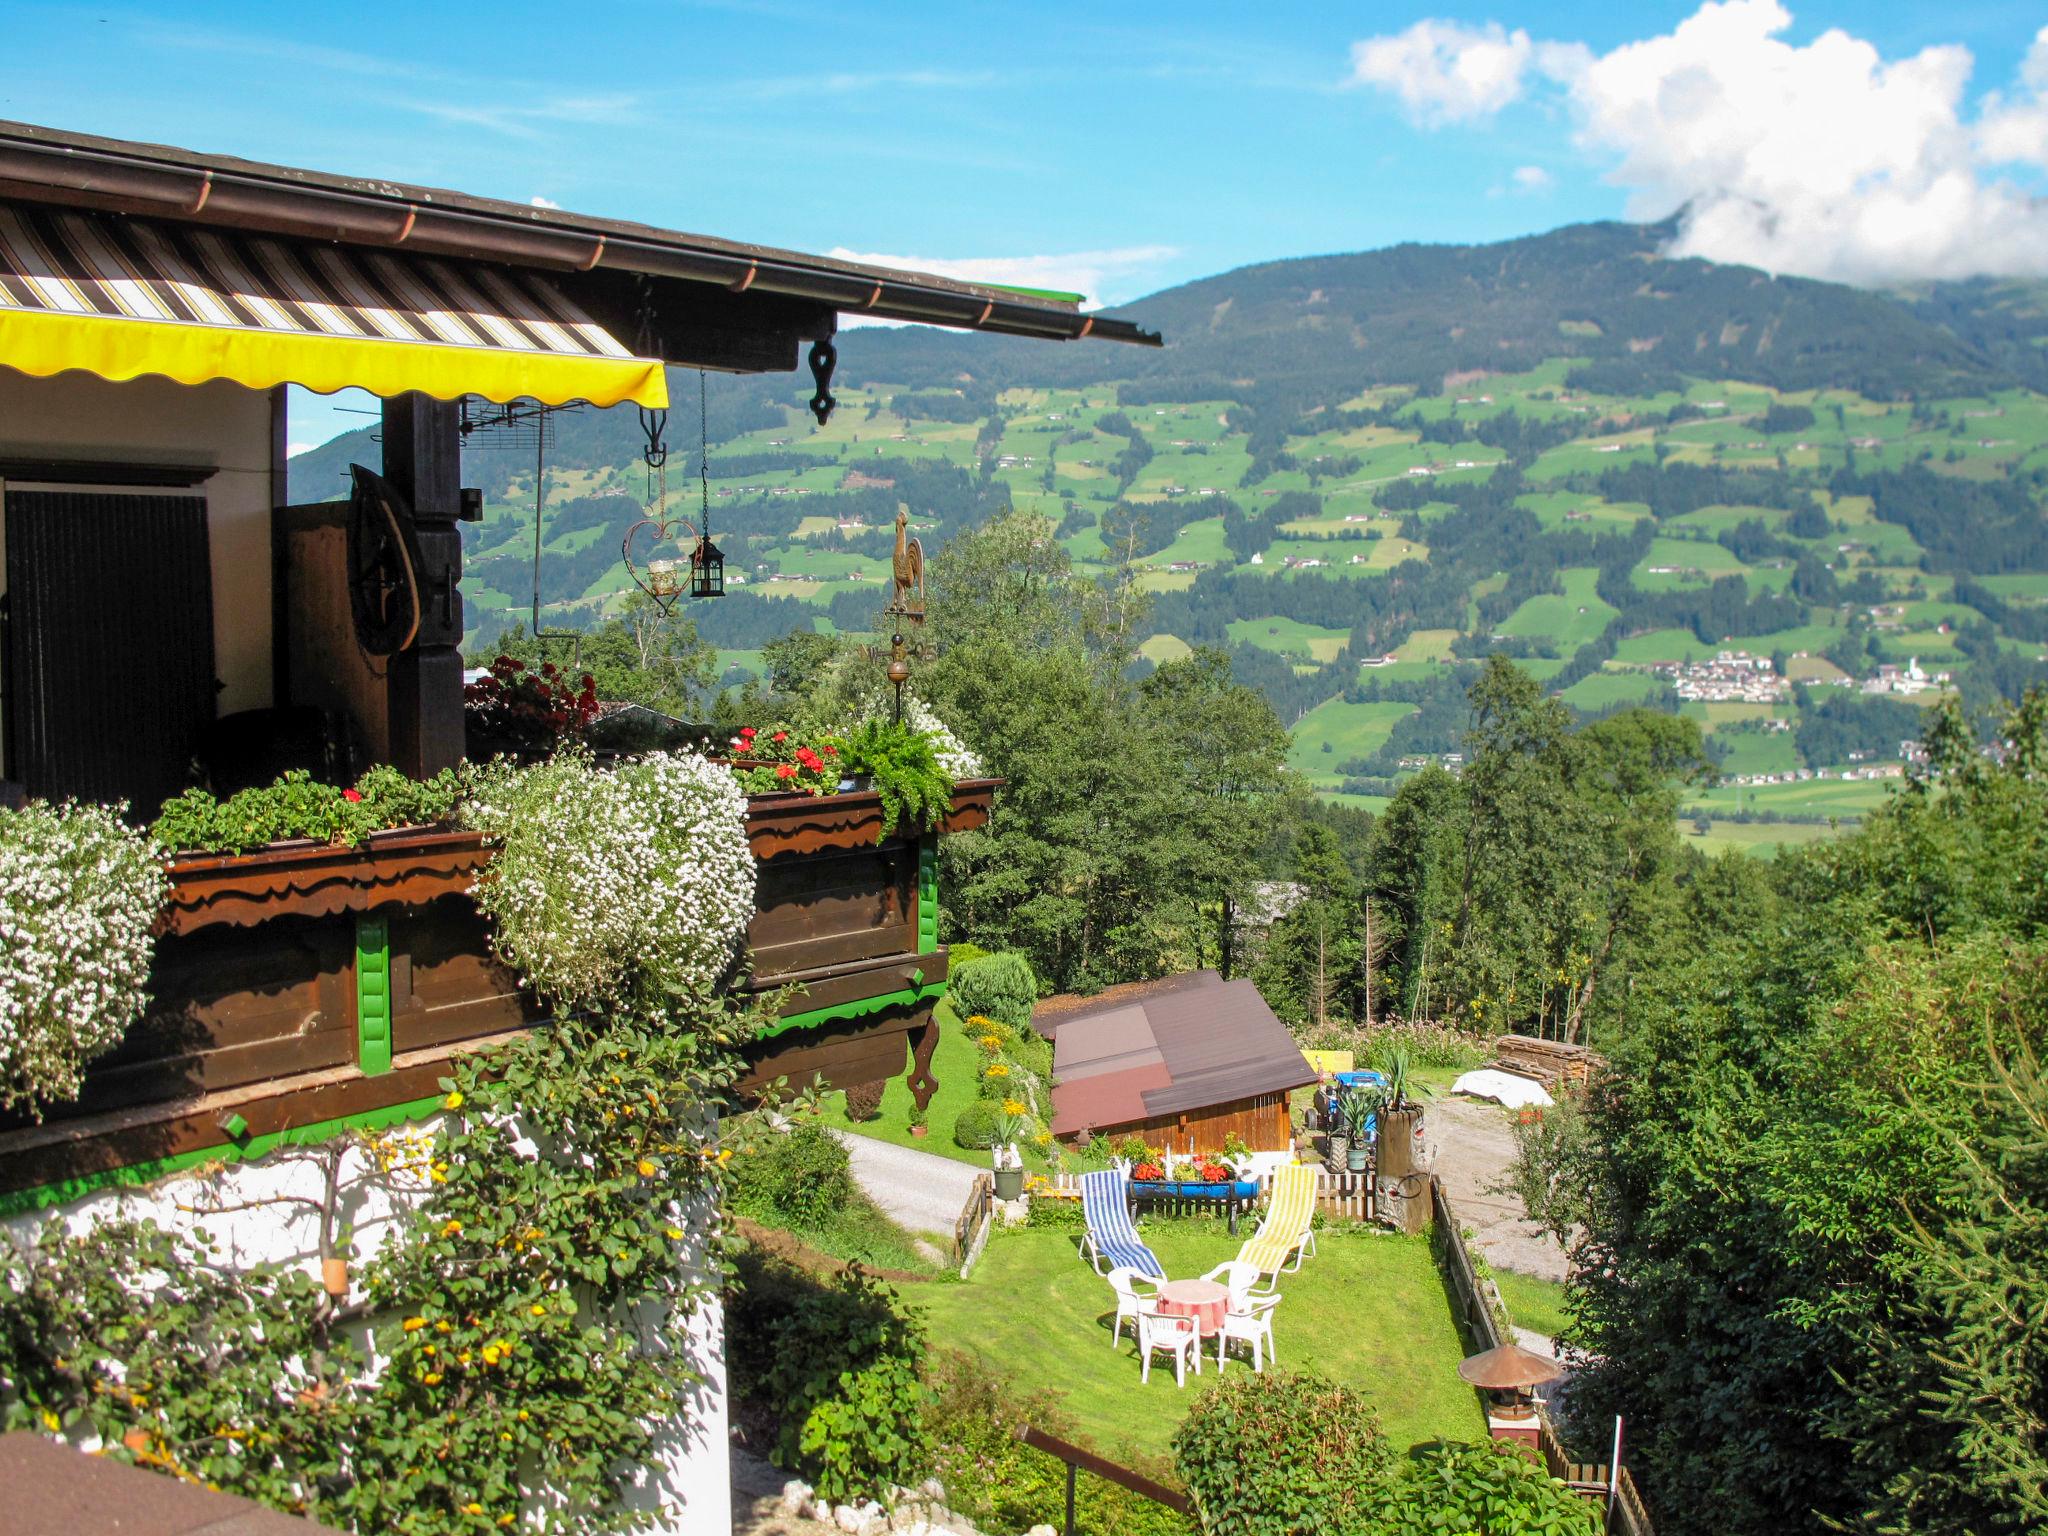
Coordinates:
column 976, row 1126
column 78, row 894
column 960, row 954
column 999, row 985
column 1002, row 1484
column 797, row 1178
column 1283, row 1454
column 1484, row 1488
column 864, row 1101
column 981, row 1029
column 1056, row 1214
column 843, row 1384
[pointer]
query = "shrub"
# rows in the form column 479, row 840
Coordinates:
column 661, row 884
column 1056, row 1214
column 981, row 1029
column 78, row 893
column 1484, row 1488
column 798, row 1177
column 1283, row 1454
column 999, row 985
column 844, row 1385
column 960, row 954
column 864, row 1101
column 976, row 1126
column 1002, row 1484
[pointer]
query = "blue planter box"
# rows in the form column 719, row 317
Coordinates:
column 1244, row 1189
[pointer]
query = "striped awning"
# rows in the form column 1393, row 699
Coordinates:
column 123, row 297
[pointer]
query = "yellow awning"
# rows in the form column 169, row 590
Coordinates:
column 121, row 297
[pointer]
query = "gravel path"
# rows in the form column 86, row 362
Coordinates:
column 921, row 1191
column 1475, row 1144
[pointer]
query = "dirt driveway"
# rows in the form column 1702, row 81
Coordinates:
column 1475, row 1143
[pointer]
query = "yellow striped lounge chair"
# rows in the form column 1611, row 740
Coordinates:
column 1286, row 1234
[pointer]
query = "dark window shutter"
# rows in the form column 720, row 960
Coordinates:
column 110, row 643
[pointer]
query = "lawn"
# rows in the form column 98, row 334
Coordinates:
column 1369, row 1310
column 1290, row 637
column 1570, row 619
column 1352, row 730
column 1532, row 1303
column 1762, row 838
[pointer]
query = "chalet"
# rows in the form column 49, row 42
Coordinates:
column 167, row 605
column 1189, row 1060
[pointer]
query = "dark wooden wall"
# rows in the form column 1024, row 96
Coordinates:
column 1261, row 1121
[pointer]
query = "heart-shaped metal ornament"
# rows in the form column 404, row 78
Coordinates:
column 664, row 575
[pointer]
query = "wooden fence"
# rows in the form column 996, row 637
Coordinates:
column 972, row 1227
column 1341, row 1197
column 1472, row 1299
column 1595, row 1479
column 1079, row 1460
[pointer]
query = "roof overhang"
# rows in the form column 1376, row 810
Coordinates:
column 123, row 297
column 76, row 170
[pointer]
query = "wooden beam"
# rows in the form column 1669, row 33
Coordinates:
column 423, row 459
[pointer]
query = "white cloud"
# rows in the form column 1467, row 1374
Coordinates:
column 538, row 201
column 1444, row 71
column 1101, row 277
column 1824, row 159
column 1531, row 178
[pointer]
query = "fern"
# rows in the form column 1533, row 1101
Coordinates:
column 905, row 769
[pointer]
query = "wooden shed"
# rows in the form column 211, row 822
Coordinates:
column 1189, row 1060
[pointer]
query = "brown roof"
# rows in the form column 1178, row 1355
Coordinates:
column 1508, row 1366
column 1159, row 1048
column 53, row 1490
column 81, row 170
column 1051, row 1012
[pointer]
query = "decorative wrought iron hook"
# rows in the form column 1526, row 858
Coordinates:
column 824, row 358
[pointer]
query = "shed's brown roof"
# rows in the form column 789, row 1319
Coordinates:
column 53, row 1490
column 1052, row 1012
column 1159, row 1048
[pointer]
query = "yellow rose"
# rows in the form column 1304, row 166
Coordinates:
column 451, row 1229
column 432, row 1378
column 414, row 1324
column 537, row 1309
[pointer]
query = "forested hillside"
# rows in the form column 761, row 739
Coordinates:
column 1359, row 475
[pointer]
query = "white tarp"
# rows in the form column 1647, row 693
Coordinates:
column 1503, row 1088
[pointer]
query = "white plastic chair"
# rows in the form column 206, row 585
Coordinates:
column 1130, row 1301
column 1174, row 1333
column 1250, row 1324
column 1241, row 1280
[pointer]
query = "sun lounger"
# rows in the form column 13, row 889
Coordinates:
column 1111, row 1239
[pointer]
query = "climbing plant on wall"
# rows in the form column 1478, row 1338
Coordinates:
column 518, row 1332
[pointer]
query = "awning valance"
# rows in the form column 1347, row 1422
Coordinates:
column 122, row 297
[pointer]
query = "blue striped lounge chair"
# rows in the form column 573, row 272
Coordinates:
column 1111, row 1239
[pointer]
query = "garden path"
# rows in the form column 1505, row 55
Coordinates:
column 920, row 1191
column 1475, row 1145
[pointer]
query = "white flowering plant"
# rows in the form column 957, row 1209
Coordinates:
column 79, row 893
column 615, row 887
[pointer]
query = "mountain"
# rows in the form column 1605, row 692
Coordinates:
column 1358, row 473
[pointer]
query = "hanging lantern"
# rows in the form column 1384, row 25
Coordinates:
column 707, row 569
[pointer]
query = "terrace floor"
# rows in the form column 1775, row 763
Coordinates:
column 1369, row 1311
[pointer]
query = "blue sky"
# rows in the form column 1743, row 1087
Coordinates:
column 1116, row 149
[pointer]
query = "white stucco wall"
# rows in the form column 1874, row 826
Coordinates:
column 151, row 420
column 690, row 1480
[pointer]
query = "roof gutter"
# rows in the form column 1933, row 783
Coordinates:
column 136, row 184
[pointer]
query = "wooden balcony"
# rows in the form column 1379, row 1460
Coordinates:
column 303, row 986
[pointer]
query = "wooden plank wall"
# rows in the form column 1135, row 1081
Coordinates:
column 1261, row 1121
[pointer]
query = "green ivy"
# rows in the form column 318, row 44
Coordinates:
column 300, row 806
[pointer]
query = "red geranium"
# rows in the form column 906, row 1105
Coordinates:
column 1147, row 1173
column 785, row 770
column 352, row 795
column 1214, row 1173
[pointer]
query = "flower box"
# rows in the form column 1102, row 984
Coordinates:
column 794, row 824
column 413, row 865
column 1185, row 1189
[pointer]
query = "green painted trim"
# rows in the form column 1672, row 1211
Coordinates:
column 927, row 894
column 373, row 996
column 15, row 1202
column 1057, row 295
column 860, row 1008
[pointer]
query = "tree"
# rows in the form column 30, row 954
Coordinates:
column 1223, row 753
column 638, row 656
column 1311, row 965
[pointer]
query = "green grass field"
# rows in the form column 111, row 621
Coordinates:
column 1352, row 730
column 1570, row 619
column 1290, row 637
column 1532, row 1303
column 1757, row 838
column 1604, row 689
column 1368, row 1310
